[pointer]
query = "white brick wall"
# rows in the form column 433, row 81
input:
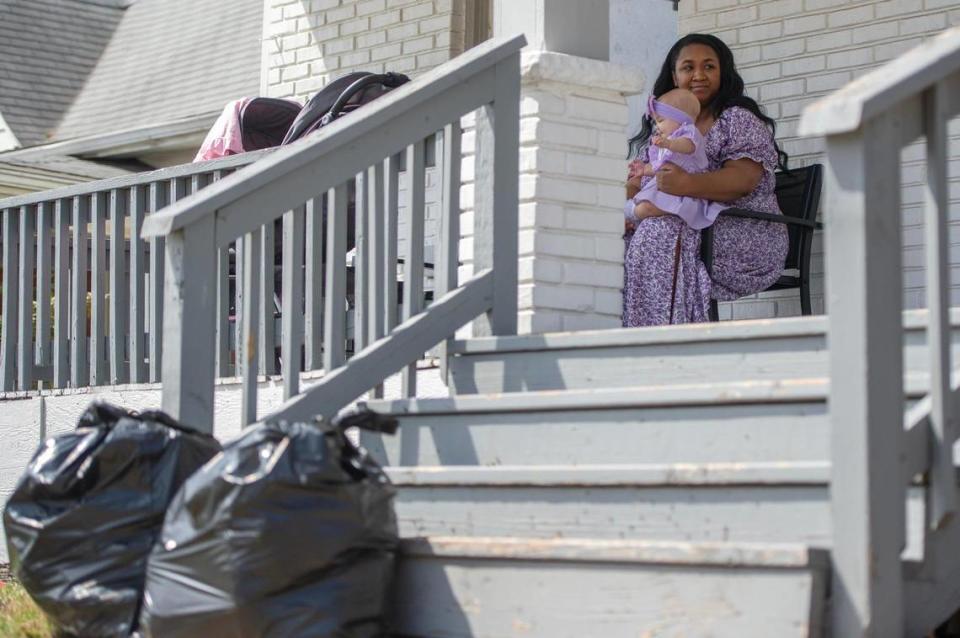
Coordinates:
column 309, row 42
column 571, row 192
column 792, row 52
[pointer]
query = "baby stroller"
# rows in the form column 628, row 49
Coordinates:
column 252, row 124
column 263, row 122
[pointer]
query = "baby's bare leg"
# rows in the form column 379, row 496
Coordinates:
column 646, row 209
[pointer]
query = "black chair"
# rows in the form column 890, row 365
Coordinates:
column 798, row 194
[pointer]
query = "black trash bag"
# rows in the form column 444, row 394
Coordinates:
column 290, row 533
column 89, row 508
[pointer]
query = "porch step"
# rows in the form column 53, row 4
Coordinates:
column 574, row 588
column 793, row 348
column 739, row 502
column 696, row 423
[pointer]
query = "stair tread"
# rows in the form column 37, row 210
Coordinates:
column 664, row 335
column 685, row 394
column 676, row 474
column 654, row 335
column 800, row 390
column 719, row 554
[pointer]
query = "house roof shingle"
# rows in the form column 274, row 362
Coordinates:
column 47, row 50
column 168, row 60
column 21, row 176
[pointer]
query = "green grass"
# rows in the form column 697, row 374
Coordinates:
column 19, row 616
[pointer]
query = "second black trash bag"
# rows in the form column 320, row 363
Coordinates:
column 89, row 508
column 291, row 532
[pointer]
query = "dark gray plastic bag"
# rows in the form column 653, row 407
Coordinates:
column 89, row 508
column 290, row 532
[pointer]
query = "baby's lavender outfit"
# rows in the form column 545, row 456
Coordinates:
column 696, row 212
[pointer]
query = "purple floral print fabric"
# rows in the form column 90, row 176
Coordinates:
column 664, row 280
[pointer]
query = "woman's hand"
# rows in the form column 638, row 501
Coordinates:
column 673, row 180
column 633, row 184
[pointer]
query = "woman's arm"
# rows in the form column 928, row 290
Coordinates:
column 737, row 178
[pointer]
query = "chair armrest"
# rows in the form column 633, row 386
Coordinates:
column 770, row 217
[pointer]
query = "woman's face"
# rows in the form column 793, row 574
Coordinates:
column 698, row 70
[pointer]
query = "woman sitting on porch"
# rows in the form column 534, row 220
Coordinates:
column 665, row 281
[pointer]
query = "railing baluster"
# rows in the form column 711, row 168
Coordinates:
column 448, row 238
column 98, row 267
column 360, row 265
column 223, row 313
column 25, row 353
column 391, row 207
column 223, row 366
column 44, row 279
column 79, row 366
column 138, row 270
column 61, row 293
column 943, row 484
column 247, row 349
column 118, row 286
column 159, row 193
column 336, row 286
column 266, row 279
column 376, row 258
column 238, row 274
column 292, row 289
column 11, row 263
column 413, row 262
column 313, row 284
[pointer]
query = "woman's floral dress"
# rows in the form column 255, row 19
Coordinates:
column 664, row 281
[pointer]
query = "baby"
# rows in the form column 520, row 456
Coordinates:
column 676, row 140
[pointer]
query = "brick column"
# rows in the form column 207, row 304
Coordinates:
column 573, row 146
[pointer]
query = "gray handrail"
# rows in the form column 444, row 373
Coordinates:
column 866, row 124
column 310, row 178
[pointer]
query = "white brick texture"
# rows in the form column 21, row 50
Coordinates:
column 792, row 52
column 339, row 36
column 571, row 194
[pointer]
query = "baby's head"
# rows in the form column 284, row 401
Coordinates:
column 682, row 107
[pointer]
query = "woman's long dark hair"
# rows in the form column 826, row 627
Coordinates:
column 730, row 93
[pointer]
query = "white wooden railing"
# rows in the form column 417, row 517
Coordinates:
column 874, row 456
column 292, row 183
column 81, row 290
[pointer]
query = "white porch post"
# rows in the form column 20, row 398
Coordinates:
column 573, row 122
column 864, row 283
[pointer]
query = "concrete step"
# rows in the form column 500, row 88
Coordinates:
column 739, row 502
column 790, row 348
column 708, row 423
column 573, row 588
column 744, row 422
